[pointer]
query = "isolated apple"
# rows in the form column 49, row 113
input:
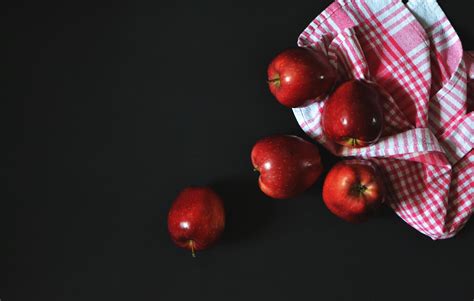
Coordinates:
column 353, row 116
column 288, row 165
column 196, row 218
column 353, row 189
column 299, row 76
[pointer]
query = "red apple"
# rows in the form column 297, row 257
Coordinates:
column 196, row 218
column 288, row 165
column 353, row 189
column 299, row 76
column 353, row 116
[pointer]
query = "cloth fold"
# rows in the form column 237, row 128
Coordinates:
column 414, row 54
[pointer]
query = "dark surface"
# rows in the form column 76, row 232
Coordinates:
column 111, row 110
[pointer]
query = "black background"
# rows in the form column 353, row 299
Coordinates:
column 111, row 110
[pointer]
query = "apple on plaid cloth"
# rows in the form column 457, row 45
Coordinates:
column 426, row 151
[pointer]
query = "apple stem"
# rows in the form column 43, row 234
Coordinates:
column 362, row 188
column 191, row 244
column 275, row 81
column 358, row 189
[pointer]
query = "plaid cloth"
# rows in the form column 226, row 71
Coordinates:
column 426, row 151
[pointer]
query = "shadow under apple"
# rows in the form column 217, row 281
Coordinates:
column 248, row 210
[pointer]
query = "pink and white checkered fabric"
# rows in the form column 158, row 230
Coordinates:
column 426, row 151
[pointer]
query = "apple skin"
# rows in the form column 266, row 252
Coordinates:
column 299, row 76
column 288, row 165
column 352, row 116
column 196, row 218
column 353, row 190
